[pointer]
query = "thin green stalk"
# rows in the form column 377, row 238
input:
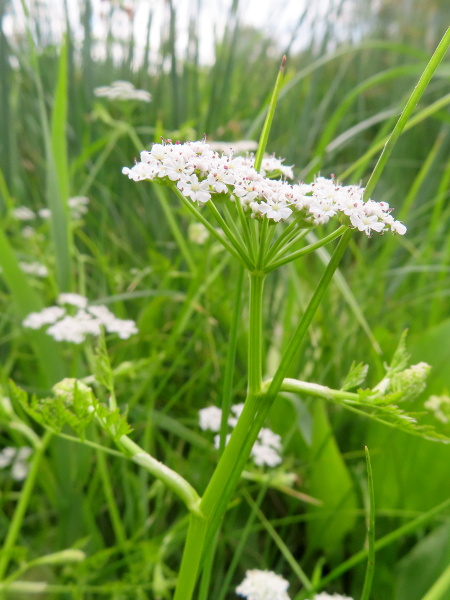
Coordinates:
column 182, row 488
column 192, row 209
column 263, row 241
column 407, row 112
column 174, row 228
column 439, row 591
column 296, row 568
column 192, row 555
column 255, row 334
column 370, row 531
column 236, row 243
column 294, row 238
column 114, row 514
column 306, row 250
column 296, row 341
column 227, row 391
column 384, row 542
column 283, row 239
column 243, row 536
column 269, row 118
column 246, row 229
column 22, row 505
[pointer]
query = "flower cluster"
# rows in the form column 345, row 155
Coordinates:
column 88, row 319
column 199, row 173
column 34, row 268
column 265, row 451
column 263, row 585
column 122, row 90
column 440, row 407
column 16, row 458
column 78, row 206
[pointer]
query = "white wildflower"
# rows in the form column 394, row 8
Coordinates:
column 34, row 268
column 73, row 300
column 263, row 585
column 263, row 455
column 197, row 233
column 197, row 191
column 23, row 213
column 440, row 407
column 122, row 90
column 78, row 206
column 17, row 460
column 199, row 171
column 210, row 418
column 46, row 316
column 45, row 213
column 86, row 321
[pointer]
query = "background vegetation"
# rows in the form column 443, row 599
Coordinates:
column 344, row 87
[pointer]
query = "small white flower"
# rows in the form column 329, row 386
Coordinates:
column 87, row 321
column 263, row 455
column 45, row 213
column 277, row 210
column 17, row 460
column 46, row 316
column 210, row 418
column 34, row 268
column 23, row 213
column 122, row 90
column 197, row 191
column 124, row 328
column 197, row 233
column 73, row 300
column 263, row 585
column 366, row 223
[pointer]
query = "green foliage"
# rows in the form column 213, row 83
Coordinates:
column 336, row 107
column 73, row 403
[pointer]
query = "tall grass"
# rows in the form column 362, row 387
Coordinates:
column 339, row 101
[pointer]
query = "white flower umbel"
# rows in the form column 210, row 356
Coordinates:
column 78, row 320
column 210, row 418
column 263, row 585
column 23, row 213
column 122, row 90
column 34, row 268
column 16, row 458
column 266, row 450
column 200, row 172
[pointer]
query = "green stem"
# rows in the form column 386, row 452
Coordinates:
column 268, row 122
column 440, row 589
column 223, row 240
column 255, row 334
column 236, row 243
column 306, row 250
column 22, row 505
column 297, row 338
column 192, row 555
column 407, row 112
column 182, row 488
column 370, row 531
column 174, row 228
column 231, row 354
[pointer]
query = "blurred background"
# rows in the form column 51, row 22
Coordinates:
column 209, row 68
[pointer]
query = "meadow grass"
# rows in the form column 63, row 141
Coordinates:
column 336, row 108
